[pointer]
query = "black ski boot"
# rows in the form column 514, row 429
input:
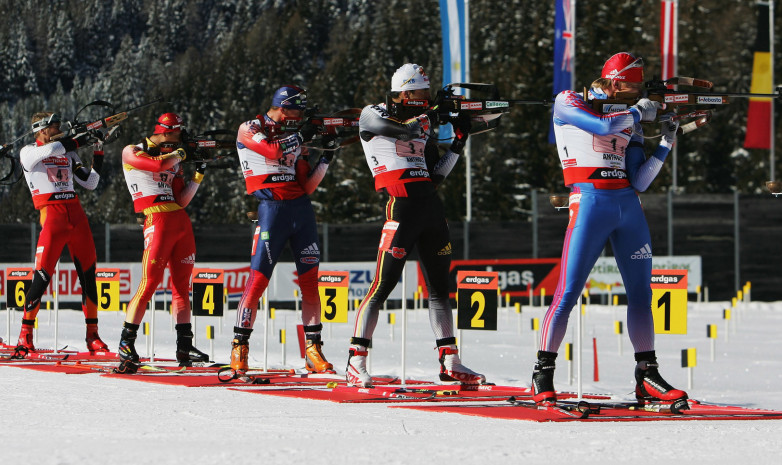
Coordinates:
column 543, row 379
column 186, row 354
column 128, row 357
column 650, row 387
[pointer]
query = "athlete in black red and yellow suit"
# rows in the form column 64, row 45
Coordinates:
column 50, row 168
column 277, row 172
column 406, row 164
column 156, row 183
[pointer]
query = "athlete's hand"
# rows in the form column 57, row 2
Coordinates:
column 330, row 144
column 308, row 131
column 201, row 168
column 647, row 109
column 461, row 129
column 668, row 130
column 181, row 153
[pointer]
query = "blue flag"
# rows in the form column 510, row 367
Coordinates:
column 564, row 50
column 453, row 21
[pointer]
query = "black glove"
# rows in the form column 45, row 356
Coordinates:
column 201, row 168
column 307, row 132
column 330, row 144
column 461, row 129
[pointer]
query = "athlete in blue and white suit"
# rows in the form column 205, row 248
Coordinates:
column 604, row 165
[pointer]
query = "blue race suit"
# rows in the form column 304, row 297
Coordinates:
column 604, row 164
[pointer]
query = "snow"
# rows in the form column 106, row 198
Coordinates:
column 53, row 418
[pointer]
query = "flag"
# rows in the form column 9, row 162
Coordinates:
column 564, row 50
column 453, row 22
column 759, row 114
column 668, row 37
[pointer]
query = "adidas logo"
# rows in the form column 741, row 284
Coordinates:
column 445, row 250
column 311, row 249
column 642, row 253
column 189, row 260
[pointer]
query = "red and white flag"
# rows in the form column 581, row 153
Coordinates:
column 668, row 37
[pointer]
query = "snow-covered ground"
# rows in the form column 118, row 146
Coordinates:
column 52, row 418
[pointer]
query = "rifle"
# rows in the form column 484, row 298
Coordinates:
column 484, row 112
column 202, row 147
column 696, row 93
column 105, row 129
column 342, row 124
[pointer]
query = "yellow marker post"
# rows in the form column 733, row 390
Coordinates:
column 392, row 323
column 726, row 315
column 282, row 345
column 535, row 327
column 619, row 330
column 210, row 334
column 542, row 296
column 698, row 293
column 147, row 338
column 711, row 333
column 569, row 358
column 616, row 300
column 689, row 360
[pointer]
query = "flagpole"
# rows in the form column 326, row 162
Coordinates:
column 467, row 149
column 772, row 157
column 573, row 47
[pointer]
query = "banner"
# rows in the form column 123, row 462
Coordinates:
column 564, row 50
column 456, row 63
column 759, row 114
column 668, row 37
column 605, row 274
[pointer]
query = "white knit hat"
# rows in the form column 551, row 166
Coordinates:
column 409, row 77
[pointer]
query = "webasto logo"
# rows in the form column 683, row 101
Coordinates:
column 710, row 100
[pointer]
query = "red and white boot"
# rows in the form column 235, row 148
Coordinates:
column 451, row 368
column 25, row 343
column 356, row 372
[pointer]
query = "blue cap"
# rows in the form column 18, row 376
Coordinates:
column 290, row 97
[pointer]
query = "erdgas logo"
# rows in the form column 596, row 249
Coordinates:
column 665, row 279
column 476, row 280
column 418, row 173
column 331, row 279
column 282, row 178
column 207, row 275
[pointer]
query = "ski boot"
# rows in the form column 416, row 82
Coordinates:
column 451, row 368
column 25, row 343
column 186, row 353
column 650, row 387
column 129, row 362
column 240, row 349
column 313, row 356
column 94, row 343
column 356, row 371
column 543, row 392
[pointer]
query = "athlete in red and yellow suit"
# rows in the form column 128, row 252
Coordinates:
column 158, row 189
column 50, row 168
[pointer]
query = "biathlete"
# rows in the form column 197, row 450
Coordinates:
column 604, row 164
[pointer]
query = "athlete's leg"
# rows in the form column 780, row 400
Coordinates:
column 592, row 217
column 632, row 247
column 157, row 250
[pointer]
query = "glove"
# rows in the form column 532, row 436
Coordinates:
column 307, row 132
column 668, row 130
column 647, row 109
column 330, row 144
column 201, row 168
column 424, row 123
column 461, row 129
column 181, row 153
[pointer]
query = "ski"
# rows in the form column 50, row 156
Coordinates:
column 579, row 411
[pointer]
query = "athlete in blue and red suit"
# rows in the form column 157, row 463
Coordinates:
column 277, row 172
column 604, row 165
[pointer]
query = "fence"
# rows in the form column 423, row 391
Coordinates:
column 738, row 237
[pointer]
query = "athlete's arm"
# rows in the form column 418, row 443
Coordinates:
column 375, row 121
column 137, row 158
column 640, row 171
column 570, row 108
column 252, row 137
column 87, row 179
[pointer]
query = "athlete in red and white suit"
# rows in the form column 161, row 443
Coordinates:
column 50, row 168
column 156, row 183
